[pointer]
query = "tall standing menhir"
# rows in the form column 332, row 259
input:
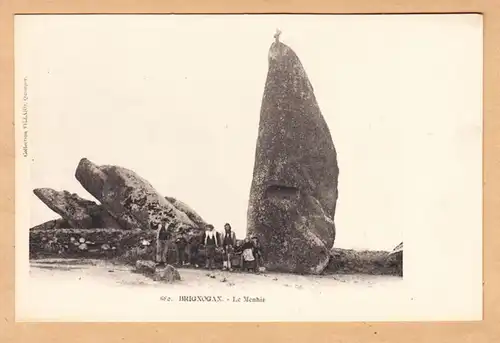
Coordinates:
column 294, row 188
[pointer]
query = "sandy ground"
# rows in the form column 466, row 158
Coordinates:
column 76, row 290
column 112, row 275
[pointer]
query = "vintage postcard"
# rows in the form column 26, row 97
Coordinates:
column 243, row 168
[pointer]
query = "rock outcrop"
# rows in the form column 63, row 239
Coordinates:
column 127, row 246
column 88, row 243
column 78, row 212
column 130, row 199
column 294, row 188
column 127, row 202
column 397, row 250
column 183, row 207
column 395, row 258
column 166, row 274
column 53, row 225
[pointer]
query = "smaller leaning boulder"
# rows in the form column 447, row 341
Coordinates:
column 80, row 213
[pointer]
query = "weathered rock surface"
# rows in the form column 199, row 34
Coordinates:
column 348, row 261
column 130, row 199
column 294, row 188
column 145, row 266
column 183, row 207
column 127, row 246
column 398, row 249
column 78, row 212
column 395, row 258
column 167, row 274
column 52, row 224
column 91, row 243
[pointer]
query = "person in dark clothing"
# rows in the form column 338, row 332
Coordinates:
column 228, row 244
column 180, row 244
column 193, row 248
column 257, row 253
column 162, row 238
column 211, row 241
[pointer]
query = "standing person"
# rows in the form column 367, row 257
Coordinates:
column 257, row 253
column 247, row 256
column 162, row 244
column 211, row 244
column 180, row 244
column 193, row 248
column 228, row 244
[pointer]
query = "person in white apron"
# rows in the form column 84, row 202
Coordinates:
column 257, row 254
column 247, row 255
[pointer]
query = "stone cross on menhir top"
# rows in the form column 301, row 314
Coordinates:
column 277, row 35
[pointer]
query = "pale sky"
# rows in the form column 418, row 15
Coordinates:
column 177, row 99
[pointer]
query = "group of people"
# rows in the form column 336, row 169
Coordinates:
column 213, row 243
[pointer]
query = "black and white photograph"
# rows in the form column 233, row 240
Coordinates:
column 243, row 168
